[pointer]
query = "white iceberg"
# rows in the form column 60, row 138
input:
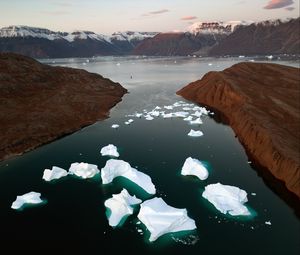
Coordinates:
column 193, row 166
column 227, row 199
column 195, row 133
column 197, row 114
column 181, row 114
column 83, row 170
column 54, row 173
column 168, row 107
column 149, row 117
column 197, row 121
column 115, row 126
column 154, row 113
column 110, row 150
column 138, row 115
column 120, row 206
column 167, row 115
column 160, row 218
column 115, row 168
column 189, row 118
column 28, row 198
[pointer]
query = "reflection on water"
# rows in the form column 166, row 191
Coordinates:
column 74, row 216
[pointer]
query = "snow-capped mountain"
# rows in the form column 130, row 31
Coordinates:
column 217, row 27
column 132, row 36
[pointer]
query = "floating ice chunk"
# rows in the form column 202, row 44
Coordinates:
column 115, row 126
column 167, row 115
column 196, row 121
column 160, row 218
column 193, row 166
column 197, row 114
column 83, row 170
column 115, row 168
column 110, row 150
column 268, row 223
column 210, row 64
column 270, row 57
column 118, row 64
column 53, row 174
column 138, row 115
column 28, row 198
column 120, row 206
column 253, row 194
column 157, row 108
column 186, row 108
column 154, row 113
column 128, row 121
column 189, row 118
column 227, row 199
column 195, row 133
column 149, row 117
column 180, row 114
column 177, row 104
column 204, row 110
column 168, row 107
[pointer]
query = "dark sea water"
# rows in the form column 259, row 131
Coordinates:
column 74, row 221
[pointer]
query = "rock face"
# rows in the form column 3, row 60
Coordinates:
column 40, row 103
column 178, row 44
column 261, row 103
column 268, row 37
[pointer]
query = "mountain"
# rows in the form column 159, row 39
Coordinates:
column 256, row 99
column 43, row 43
column 268, row 37
column 40, row 103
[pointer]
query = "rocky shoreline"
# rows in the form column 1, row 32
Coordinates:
column 261, row 103
column 40, row 103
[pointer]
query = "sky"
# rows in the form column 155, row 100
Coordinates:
column 108, row 16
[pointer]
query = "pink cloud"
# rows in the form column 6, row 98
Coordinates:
column 275, row 4
column 188, row 18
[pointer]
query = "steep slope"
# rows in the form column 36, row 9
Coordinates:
column 40, row 103
column 261, row 103
column 268, row 37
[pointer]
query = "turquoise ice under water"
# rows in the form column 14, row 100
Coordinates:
column 74, row 216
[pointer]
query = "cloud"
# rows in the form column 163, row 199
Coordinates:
column 276, row 4
column 188, row 18
column 290, row 8
column 155, row 12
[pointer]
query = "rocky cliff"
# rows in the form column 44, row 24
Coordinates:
column 39, row 103
column 262, row 104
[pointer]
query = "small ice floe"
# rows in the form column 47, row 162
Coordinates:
column 227, row 199
column 168, row 107
column 194, row 133
column 210, row 64
column 204, row 111
column 186, row 108
column 270, row 57
column 118, row 64
column 167, row 115
column 115, row 126
column 189, row 118
column 154, row 113
column 177, row 104
column 28, row 198
column 253, row 194
column 115, row 168
column 197, row 114
column 149, row 117
column 241, row 56
column 110, row 150
column 268, row 223
column 180, row 114
column 160, row 218
column 128, row 122
column 157, row 108
column 54, row 173
column 195, row 167
column 197, row 121
column 120, row 206
column 138, row 115
column 83, row 170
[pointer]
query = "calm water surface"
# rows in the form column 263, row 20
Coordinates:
column 74, row 220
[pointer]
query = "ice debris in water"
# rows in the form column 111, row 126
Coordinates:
column 195, row 133
column 110, row 150
column 268, row 223
column 115, row 168
column 120, row 206
column 189, row 118
column 167, row 115
column 181, row 114
column 128, row 121
column 54, row 173
column 28, row 198
column 149, row 117
column 196, row 121
column 227, row 199
column 193, row 166
column 83, row 170
column 168, row 107
column 160, row 218
column 115, row 126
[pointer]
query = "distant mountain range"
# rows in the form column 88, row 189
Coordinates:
column 202, row 38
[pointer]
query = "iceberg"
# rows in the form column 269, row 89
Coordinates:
column 197, row 114
column 149, row 117
column 189, row 118
column 54, row 173
column 115, row 126
column 193, row 166
column 138, row 115
column 168, row 107
column 196, row 121
column 154, row 113
column 167, row 115
column 195, row 133
column 28, row 198
column 181, row 114
column 110, row 150
column 227, row 199
column 83, row 170
column 120, row 206
column 114, row 168
column 160, row 218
